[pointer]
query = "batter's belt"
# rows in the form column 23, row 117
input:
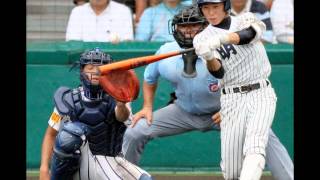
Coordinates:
column 246, row 88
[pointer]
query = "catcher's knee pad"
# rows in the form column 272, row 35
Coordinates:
column 145, row 177
column 66, row 151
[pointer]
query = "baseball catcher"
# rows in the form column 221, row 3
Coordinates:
column 85, row 132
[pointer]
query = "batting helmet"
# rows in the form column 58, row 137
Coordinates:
column 227, row 4
column 94, row 57
column 189, row 15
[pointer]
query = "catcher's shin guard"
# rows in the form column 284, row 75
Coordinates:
column 66, row 152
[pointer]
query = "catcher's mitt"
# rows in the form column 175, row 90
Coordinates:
column 121, row 85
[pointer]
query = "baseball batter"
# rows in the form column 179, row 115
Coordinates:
column 86, row 130
column 232, row 47
column 197, row 98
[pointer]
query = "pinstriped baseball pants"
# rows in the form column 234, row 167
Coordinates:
column 98, row 167
column 246, row 121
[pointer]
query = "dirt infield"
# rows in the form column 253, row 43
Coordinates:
column 162, row 177
column 175, row 177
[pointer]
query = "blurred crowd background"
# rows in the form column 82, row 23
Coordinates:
column 139, row 20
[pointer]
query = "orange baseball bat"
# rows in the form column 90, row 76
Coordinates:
column 139, row 61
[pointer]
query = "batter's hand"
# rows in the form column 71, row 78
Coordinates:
column 213, row 42
column 146, row 113
column 216, row 118
column 204, row 51
column 207, row 48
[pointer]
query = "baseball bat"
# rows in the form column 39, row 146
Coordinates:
column 139, row 61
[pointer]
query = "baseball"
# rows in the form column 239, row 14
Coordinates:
column 114, row 38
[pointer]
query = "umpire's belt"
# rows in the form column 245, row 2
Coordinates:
column 247, row 88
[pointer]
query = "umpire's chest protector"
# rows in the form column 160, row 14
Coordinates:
column 106, row 133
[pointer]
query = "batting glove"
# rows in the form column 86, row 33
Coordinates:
column 204, row 51
column 213, row 42
column 206, row 47
column 218, row 40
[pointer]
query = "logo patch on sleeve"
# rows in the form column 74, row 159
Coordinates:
column 213, row 85
column 55, row 117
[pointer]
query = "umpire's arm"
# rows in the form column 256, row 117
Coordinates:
column 148, row 97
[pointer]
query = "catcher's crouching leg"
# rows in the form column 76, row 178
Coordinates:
column 66, row 152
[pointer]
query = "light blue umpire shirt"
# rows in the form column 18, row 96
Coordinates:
column 198, row 95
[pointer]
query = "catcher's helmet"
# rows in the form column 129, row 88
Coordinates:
column 94, row 57
column 189, row 15
column 227, row 4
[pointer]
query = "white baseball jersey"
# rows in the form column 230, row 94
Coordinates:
column 99, row 167
column 246, row 117
column 243, row 64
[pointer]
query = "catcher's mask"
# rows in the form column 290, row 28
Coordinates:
column 188, row 18
column 94, row 57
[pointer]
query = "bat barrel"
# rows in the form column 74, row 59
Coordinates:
column 139, row 61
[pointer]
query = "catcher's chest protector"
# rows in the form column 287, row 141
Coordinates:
column 106, row 133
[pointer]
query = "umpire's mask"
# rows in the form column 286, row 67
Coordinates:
column 185, row 25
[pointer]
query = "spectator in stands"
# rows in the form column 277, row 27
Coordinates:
column 282, row 20
column 129, row 3
column 100, row 21
column 141, row 5
column 259, row 9
column 188, row 2
column 79, row 2
column 268, row 3
column 153, row 25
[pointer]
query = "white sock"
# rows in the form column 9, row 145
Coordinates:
column 252, row 167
